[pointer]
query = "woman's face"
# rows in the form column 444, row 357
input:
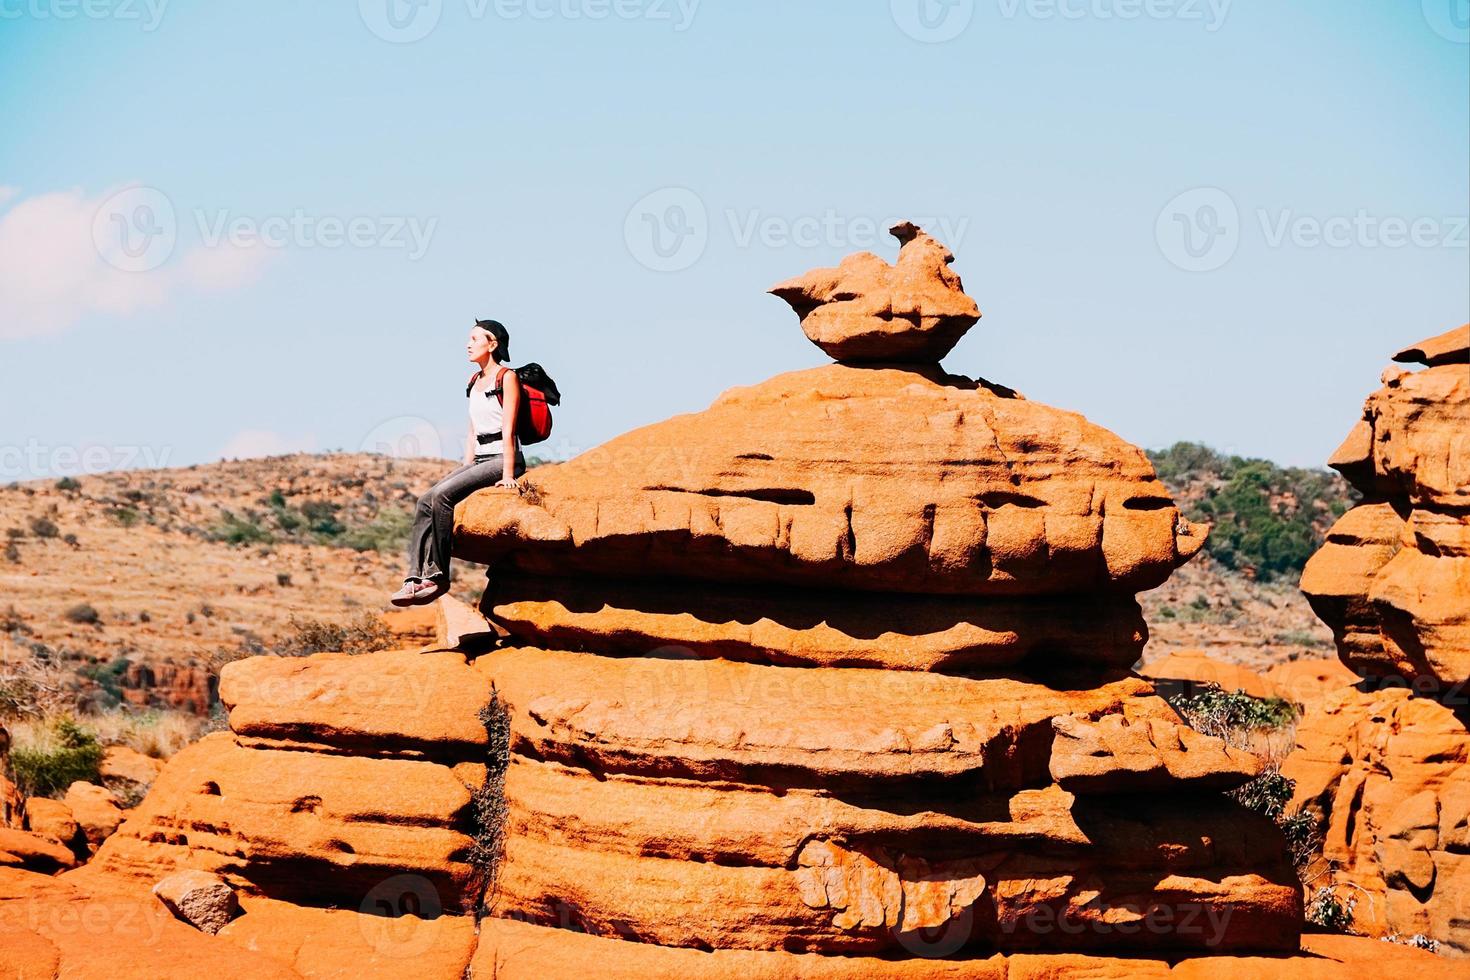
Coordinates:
column 481, row 345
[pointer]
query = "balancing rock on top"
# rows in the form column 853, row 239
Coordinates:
column 867, row 310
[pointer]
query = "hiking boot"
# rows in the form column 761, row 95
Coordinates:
column 417, row 593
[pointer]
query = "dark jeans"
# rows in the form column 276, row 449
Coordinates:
column 433, row 524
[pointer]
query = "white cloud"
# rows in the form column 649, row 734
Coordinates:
column 52, row 272
column 253, row 443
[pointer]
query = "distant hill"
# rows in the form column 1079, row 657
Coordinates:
column 1268, row 519
column 133, row 586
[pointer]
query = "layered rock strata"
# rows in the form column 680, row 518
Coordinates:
column 839, row 667
column 1384, row 762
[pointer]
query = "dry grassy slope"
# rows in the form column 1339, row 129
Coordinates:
column 164, row 591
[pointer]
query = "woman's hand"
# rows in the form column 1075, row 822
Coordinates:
column 509, row 483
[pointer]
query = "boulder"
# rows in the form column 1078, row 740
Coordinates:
column 53, row 819
column 95, row 810
column 87, row 925
column 33, row 852
column 868, row 310
column 203, row 900
column 128, row 765
column 12, row 804
column 1308, row 681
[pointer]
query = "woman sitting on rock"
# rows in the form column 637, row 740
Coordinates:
column 495, row 406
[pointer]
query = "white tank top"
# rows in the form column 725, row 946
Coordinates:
column 485, row 415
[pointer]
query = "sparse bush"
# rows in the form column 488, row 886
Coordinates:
column 83, row 614
column 52, row 758
column 283, row 579
column 1234, row 717
column 489, row 800
column 234, row 529
column 387, row 532
column 1328, row 911
column 10, row 621
column 67, row 483
column 71, row 539
column 12, row 553
column 321, row 519
column 108, row 676
column 44, row 527
column 315, row 636
column 123, row 516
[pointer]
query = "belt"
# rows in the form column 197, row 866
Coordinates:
column 485, row 438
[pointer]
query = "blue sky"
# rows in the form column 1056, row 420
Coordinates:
column 1187, row 219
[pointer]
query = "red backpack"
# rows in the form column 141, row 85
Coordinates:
column 534, row 422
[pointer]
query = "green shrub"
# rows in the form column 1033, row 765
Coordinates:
column 388, row 532
column 123, row 516
column 1327, row 911
column 47, row 768
column 321, row 519
column 67, row 483
column 1228, row 716
column 234, row 529
column 1267, row 518
column 109, row 675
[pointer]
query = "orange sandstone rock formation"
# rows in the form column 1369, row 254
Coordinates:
column 769, row 700
column 839, row 667
column 1384, row 762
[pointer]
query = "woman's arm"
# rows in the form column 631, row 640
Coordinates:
column 510, row 413
column 469, row 446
